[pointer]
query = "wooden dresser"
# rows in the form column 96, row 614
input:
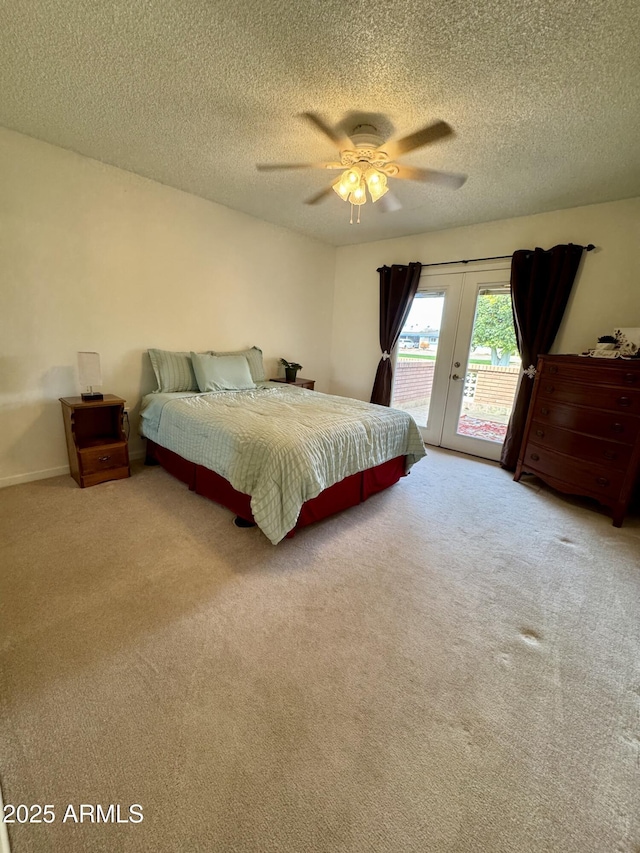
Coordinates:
column 582, row 434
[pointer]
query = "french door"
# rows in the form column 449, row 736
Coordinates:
column 456, row 364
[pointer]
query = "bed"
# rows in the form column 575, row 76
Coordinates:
column 278, row 455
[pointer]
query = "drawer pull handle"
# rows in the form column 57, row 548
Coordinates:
column 550, row 389
column 610, row 454
column 602, row 481
column 617, row 428
column 630, row 377
column 103, row 458
column 535, row 457
column 553, row 369
column 540, row 432
column 624, row 401
column 544, row 410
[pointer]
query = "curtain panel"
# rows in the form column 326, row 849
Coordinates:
column 398, row 286
column 541, row 282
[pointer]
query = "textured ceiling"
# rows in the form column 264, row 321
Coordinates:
column 543, row 95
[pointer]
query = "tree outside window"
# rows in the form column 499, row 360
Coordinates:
column 493, row 327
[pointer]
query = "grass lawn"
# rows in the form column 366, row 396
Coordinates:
column 425, row 357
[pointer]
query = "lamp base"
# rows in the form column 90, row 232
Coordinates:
column 87, row 397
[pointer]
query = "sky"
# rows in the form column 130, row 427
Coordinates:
column 425, row 311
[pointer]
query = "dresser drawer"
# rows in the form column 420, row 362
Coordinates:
column 95, row 459
column 600, row 397
column 611, row 454
column 623, row 374
column 619, row 427
column 583, row 476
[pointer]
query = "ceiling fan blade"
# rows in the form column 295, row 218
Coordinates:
column 338, row 138
column 272, row 167
column 388, row 203
column 424, row 136
column 320, row 196
column 430, row 176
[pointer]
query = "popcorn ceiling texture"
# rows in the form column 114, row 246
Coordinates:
column 193, row 94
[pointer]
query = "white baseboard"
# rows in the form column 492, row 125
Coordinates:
column 31, row 476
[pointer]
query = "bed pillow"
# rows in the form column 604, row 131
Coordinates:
column 254, row 358
column 222, row 373
column 173, row 370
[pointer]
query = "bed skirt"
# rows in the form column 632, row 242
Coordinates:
column 348, row 492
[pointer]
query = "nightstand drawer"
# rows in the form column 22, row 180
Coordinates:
column 103, row 458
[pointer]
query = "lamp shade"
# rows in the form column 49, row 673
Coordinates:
column 377, row 183
column 89, row 369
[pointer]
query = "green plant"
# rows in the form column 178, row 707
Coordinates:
column 493, row 327
column 290, row 365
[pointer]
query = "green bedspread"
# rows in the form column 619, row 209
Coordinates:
column 281, row 445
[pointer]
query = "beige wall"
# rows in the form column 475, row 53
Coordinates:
column 95, row 258
column 606, row 292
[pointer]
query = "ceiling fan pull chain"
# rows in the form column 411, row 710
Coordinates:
column 351, row 220
column 358, row 215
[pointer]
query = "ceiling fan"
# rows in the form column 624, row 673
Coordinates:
column 367, row 162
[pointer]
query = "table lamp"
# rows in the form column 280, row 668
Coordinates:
column 90, row 374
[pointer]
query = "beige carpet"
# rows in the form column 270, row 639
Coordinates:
column 453, row 666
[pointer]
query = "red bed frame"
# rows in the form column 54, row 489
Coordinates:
column 348, row 492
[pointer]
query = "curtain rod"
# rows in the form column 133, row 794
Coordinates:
column 588, row 248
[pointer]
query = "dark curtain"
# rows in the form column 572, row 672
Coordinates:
column 398, row 286
column 541, row 282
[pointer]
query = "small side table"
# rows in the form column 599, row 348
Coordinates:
column 300, row 382
column 96, row 441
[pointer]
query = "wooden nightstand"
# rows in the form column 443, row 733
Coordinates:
column 96, row 442
column 300, row 382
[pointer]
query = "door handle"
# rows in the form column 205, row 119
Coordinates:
column 456, row 377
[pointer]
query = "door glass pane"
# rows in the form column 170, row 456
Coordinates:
column 417, row 354
column 492, row 371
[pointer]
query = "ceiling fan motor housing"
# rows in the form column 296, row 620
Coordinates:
column 366, row 136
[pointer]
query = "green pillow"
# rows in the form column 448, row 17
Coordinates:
column 254, row 357
column 174, row 370
column 222, row 373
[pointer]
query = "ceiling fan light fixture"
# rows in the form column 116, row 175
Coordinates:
column 376, row 183
column 348, row 182
column 341, row 188
column 359, row 194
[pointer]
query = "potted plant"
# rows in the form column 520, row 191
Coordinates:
column 607, row 342
column 290, row 369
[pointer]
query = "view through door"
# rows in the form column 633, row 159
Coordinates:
column 457, row 365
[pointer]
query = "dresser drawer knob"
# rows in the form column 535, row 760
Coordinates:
column 610, row 454
column 624, row 401
column 553, row 369
column 602, row 481
column 630, row 377
column 103, row 458
column 535, row 457
column 544, row 410
column 617, row 428
column 550, row 389
column 540, row 432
